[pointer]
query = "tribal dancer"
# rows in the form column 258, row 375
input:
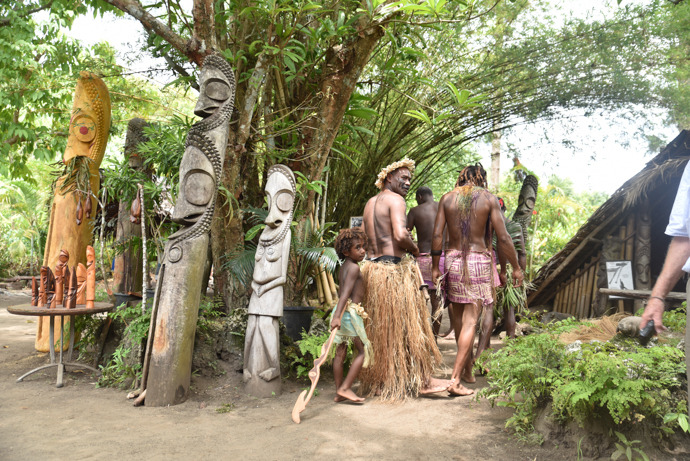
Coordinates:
column 470, row 214
column 399, row 329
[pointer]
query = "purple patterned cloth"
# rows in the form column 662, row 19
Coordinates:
column 483, row 276
column 424, row 262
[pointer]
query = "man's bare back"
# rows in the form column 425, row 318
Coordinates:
column 422, row 218
column 483, row 211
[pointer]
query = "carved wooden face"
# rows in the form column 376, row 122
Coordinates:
column 90, row 120
column 526, row 201
column 197, row 186
column 215, row 90
column 281, row 198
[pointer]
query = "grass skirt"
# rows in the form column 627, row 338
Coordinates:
column 399, row 329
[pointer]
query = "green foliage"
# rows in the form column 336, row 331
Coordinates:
column 210, row 310
column 675, row 320
column 299, row 358
column 619, row 380
column 24, row 213
column 626, row 447
column 225, row 408
column 121, row 369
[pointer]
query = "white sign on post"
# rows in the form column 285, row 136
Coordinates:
column 619, row 276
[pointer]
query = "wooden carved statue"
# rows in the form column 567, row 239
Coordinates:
column 262, row 341
column 168, row 360
column 127, row 273
column 526, row 202
column 50, row 288
column 90, row 277
column 60, row 277
column 66, row 277
column 71, row 297
column 80, row 270
column 71, row 214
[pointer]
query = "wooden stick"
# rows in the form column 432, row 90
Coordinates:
column 314, row 375
column 319, row 291
column 144, row 262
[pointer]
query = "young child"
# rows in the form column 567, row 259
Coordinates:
column 350, row 246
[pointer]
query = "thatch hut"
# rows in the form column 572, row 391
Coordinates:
column 628, row 227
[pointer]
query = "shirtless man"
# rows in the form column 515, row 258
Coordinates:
column 386, row 231
column 470, row 214
column 405, row 353
column 422, row 218
column 508, row 311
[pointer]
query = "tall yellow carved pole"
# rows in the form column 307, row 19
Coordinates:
column 73, row 209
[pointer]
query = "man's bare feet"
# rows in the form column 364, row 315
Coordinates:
column 435, row 385
column 460, row 391
column 348, row 394
column 468, row 377
column 338, row 398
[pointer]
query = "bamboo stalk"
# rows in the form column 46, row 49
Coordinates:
column 571, row 297
column 629, row 241
column 557, row 301
column 588, row 291
column 566, row 307
column 576, row 297
column 319, row 290
column 331, row 283
column 326, row 288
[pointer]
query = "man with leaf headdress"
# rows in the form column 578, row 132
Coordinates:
column 398, row 327
column 470, row 214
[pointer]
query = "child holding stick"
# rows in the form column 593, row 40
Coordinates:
column 350, row 246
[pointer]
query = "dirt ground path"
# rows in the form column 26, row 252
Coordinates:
column 80, row 421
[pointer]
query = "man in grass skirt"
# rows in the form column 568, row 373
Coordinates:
column 398, row 327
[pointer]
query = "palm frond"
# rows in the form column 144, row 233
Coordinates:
column 240, row 264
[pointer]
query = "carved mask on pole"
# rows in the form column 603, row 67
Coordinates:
column 280, row 193
column 526, row 201
column 90, row 121
column 201, row 163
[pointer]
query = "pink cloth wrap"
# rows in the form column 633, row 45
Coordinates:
column 424, row 262
column 483, row 276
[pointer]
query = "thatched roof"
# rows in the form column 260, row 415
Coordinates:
column 664, row 168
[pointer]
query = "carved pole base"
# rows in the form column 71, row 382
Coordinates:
column 178, row 294
column 261, row 357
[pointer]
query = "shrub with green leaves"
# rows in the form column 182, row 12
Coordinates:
column 617, row 380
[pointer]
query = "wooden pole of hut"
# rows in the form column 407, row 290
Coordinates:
column 642, row 251
column 622, row 232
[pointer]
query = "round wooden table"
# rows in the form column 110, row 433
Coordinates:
column 27, row 309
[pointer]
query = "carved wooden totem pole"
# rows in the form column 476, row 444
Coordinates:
column 168, row 362
column 526, row 201
column 127, row 275
column 262, row 341
column 73, row 209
